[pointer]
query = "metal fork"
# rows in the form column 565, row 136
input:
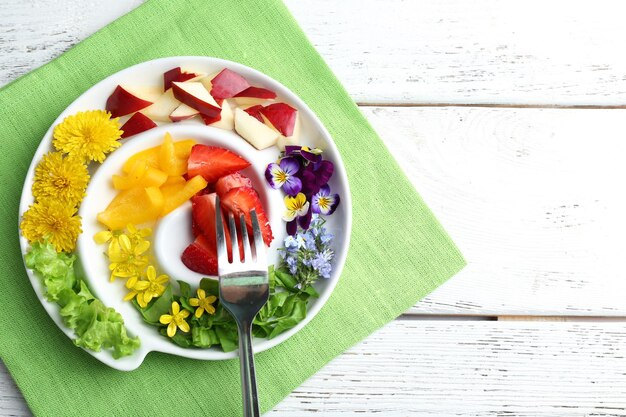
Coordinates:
column 244, row 289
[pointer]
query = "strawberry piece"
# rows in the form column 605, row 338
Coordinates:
column 257, row 92
column 227, row 183
column 227, row 83
column 213, row 163
column 243, row 199
column 282, row 116
column 255, row 111
column 195, row 229
column 138, row 123
column 203, row 215
column 176, row 75
column 200, row 257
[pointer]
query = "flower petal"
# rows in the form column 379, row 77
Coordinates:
column 201, row 293
column 323, row 171
column 292, row 227
column 171, row 329
column 303, row 210
column 293, row 185
column 270, row 175
column 165, row 319
column 199, row 312
column 175, row 308
column 184, row 326
column 102, row 237
column 289, row 165
column 305, row 221
column 194, row 302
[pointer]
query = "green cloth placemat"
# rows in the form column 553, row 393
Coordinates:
column 398, row 254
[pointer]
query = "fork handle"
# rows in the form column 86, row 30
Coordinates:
column 248, row 375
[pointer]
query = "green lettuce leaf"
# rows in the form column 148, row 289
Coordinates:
column 96, row 326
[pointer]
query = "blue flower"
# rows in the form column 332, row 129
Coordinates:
column 292, row 263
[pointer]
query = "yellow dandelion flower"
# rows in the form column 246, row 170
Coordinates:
column 203, row 303
column 54, row 220
column 88, row 135
column 175, row 320
column 60, row 178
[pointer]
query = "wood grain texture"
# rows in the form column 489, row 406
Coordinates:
column 403, row 51
column 531, row 196
column 426, row 368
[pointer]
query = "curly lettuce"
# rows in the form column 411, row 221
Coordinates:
column 96, row 326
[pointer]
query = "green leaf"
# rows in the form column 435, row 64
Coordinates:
column 180, row 338
column 309, row 289
column 291, row 313
column 210, row 286
column 160, row 306
column 204, row 337
column 229, row 339
column 54, row 269
column 285, row 279
column 271, row 276
column 185, row 289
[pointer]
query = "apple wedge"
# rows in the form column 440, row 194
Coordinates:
column 256, row 133
column 227, row 84
column 255, row 111
column 292, row 140
column 136, row 124
column 178, row 75
column 195, row 95
column 227, row 121
column 253, row 96
column 183, row 112
column 161, row 109
column 126, row 100
column 282, row 117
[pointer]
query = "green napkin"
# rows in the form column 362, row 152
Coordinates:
column 398, row 254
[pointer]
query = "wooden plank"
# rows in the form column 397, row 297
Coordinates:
column 531, row 196
column 426, row 368
column 422, row 51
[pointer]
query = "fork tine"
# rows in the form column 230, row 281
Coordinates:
column 222, row 254
column 233, row 238
column 259, row 245
column 244, row 237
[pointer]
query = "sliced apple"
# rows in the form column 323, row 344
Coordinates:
column 227, row 120
column 255, row 111
column 227, row 84
column 292, row 140
column 178, row 75
column 126, row 100
column 282, row 117
column 196, row 96
column 183, row 112
column 136, row 124
column 161, row 109
column 256, row 133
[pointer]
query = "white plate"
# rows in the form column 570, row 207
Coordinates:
column 166, row 248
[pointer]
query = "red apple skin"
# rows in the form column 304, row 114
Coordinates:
column 227, row 83
column 282, row 116
column 210, row 120
column 136, row 124
column 192, row 101
column 257, row 92
column 255, row 111
column 181, row 118
column 121, row 102
column 175, row 74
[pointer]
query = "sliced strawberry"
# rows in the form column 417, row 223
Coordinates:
column 242, row 200
column 257, row 92
column 227, row 83
column 138, row 123
column 255, row 111
column 176, row 74
column 195, row 229
column 282, row 116
column 203, row 215
column 227, row 183
column 200, row 257
column 213, row 163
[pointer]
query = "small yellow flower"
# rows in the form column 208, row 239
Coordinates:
column 60, row 178
column 88, row 135
column 54, row 220
column 127, row 258
column 296, row 207
column 175, row 320
column 203, row 303
column 153, row 289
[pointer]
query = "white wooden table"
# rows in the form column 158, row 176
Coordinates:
column 510, row 119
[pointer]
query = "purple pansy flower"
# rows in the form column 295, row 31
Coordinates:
column 283, row 175
column 323, row 202
column 316, row 175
